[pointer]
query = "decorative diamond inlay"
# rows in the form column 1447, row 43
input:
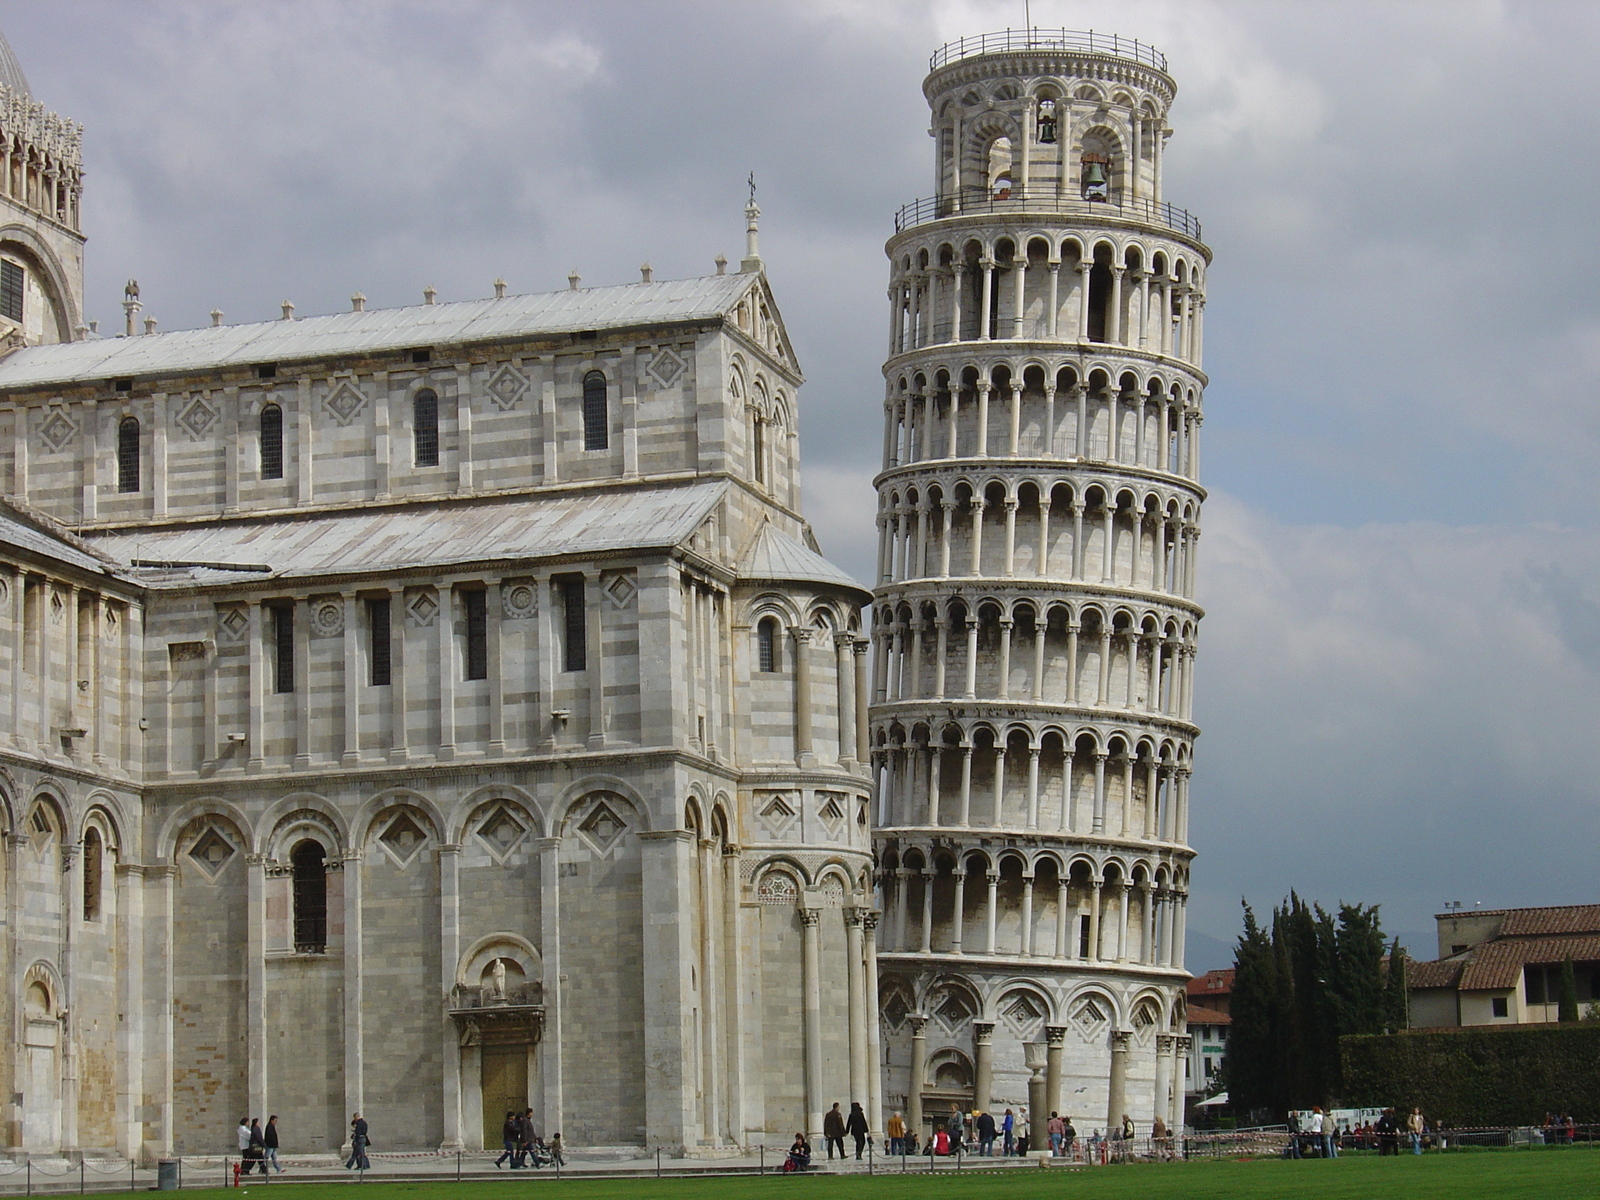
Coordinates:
column 58, row 430
column 423, row 607
column 345, row 402
column 198, row 416
column 666, row 366
column 620, row 590
column 777, row 816
column 232, row 623
column 896, row 1011
column 507, row 386
column 211, row 852
column 502, row 832
column 404, row 838
column 602, row 828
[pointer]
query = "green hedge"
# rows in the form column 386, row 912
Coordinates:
column 1505, row 1075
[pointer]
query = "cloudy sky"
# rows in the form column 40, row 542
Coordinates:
column 1399, row 677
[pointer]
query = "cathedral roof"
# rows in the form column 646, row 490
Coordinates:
column 377, row 330
column 22, row 527
column 356, row 543
column 11, row 70
column 778, row 557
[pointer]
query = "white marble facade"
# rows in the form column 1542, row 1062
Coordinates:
column 431, row 711
column 1034, row 617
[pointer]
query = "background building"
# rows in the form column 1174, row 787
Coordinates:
column 1034, row 617
column 430, row 712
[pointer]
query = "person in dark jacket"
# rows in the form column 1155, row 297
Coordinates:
column 255, row 1154
column 856, row 1127
column 269, row 1136
column 359, row 1141
column 985, row 1133
column 508, row 1139
column 833, row 1131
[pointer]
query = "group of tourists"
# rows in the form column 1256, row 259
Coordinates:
column 258, row 1146
column 523, row 1145
column 1321, row 1136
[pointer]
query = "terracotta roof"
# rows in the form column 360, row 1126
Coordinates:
column 1198, row 1014
column 1212, row 983
column 1538, row 922
column 1442, row 973
column 1498, row 965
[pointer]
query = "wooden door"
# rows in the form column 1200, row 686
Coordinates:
column 505, row 1088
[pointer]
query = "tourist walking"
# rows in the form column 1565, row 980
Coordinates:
column 527, row 1139
column 243, row 1134
column 555, row 1150
column 508, row 1139
column 359, row 1141
column 257, row 1153
column 958, row 1129
column 1008, row 1130
column 1416, row 1126
column 833, row 1131
column 269, row 1136
column 1056, row 1129
column 856, row 1126
column 896, row 1133
column 985, row 1132
column 1069, row 1138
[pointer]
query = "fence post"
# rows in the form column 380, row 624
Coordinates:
column 30, row 1174
column 80, row 1173
column 869, row 1156
column 458, row 1166
column 762, row 1169
column 658, row 1162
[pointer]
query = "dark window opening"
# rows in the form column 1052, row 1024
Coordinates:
column 1458, row 948
column 128, row 455
column 477, row 610
column 267, row 371
column 10, row 290
column 93, row 850
column 379, row 633
column 310, row 872
column 123, row 385
column 421, row 356
column 1498, row 1006
column 1533, row 983
column 575, row 655
column 596, row 432
column 767, row 646
column 1047, row 122
column 283, row 647
column 272, row 442
column 759, row 449
column 1099, row 301
column 589, row 335
column 425, row 427
column 1083, row 937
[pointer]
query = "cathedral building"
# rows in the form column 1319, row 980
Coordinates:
column 1034, row 615
column 429, row 712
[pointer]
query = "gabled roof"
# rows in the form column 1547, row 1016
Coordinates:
column 428, row 534
column 1498, row 965
column 1198, row 1014
column 1441, row 973
column 36, row 533
column 1212, row 983
column 778, row 557
column 376, row 330
column 1565, row 919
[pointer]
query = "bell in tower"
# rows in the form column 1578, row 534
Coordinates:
column 1095, row 186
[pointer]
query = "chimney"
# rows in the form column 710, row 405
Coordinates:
column 216, row 317
column 288, row 310
column 573, row 279
column 429, row 294
column 499, row 289
column 358, row 303
column 645, row 272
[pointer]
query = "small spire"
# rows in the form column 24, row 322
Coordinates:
column 429, row 294
column 499, row 289
column 94, row 327
column 149, row 324
column 722, row 264
column 645, row 272
column 130, row 304
column 752, row 222
column 288, row 310
column 216, row 317
column 358, row 303
column 573, row 279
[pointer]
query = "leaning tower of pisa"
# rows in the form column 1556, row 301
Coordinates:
column 1034, row 613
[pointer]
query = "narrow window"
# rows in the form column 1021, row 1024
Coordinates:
column 759, row 449
column 576, row 656
column 128, row 455
column 425, row 427
column 378, row 646
column 476, row 604
column 1083, row 937
column 595, row 424
column 93, row 849
column 310, row 898
column 10, row 291
column 1047, row 122
column 1498, row 1006
column 272, row 442
column 767, row 646
column 283, row 647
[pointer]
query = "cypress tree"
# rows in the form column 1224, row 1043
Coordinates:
column 1396, row 1000
column 1567, row 1003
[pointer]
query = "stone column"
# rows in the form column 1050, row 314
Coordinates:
column 1123, row 889
column 1025, row 943
column 983, row 1064
column 1033, row 787
column 802, row 696
column 1094, row 920
column 1163, row 1098
column 670, row 1108
column 991, row 910
column 971, row 690
column 863, row 740
column 1116, row 1091
column 811, row 970
column 919, row 1069
column 354, row 977
column 1180, row 1079
column 550, row 947
column 130, row 998
column 998, row 817
column 966, row 786
column 350, row 672
column 733, row 998
column 1007, row 625
column 1056, row 1036
column 1063, row 899
column 856, row 986
column 875, row 1120
column 975, row 566
column 958, row 918
column 256, row 980
column 449, row 958
column 928, row 876
column 845, row 683
column 711, row 1011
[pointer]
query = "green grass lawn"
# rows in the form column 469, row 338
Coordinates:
column 1556, row 1174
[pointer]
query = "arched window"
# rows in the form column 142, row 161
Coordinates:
column 1047, row 122
column 596, row 424
column 309, row 868
column 767, row 645
column 93, row 852
column 425, row 427
column 128, row 455
column 758, row 447
column 272, row 442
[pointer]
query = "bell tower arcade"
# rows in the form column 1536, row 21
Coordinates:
column 1034, row 616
